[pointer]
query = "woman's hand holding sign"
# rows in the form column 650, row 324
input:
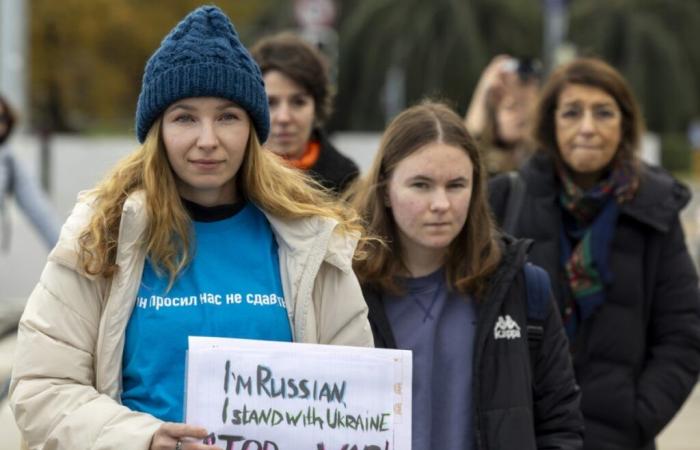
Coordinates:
column 180, row 436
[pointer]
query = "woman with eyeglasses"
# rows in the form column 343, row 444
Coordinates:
column 607, row 228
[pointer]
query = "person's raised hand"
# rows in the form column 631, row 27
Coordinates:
column 493, row 83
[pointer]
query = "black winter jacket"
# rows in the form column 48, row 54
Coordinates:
column 333, row 170
column 514, row 407
column 637, row 358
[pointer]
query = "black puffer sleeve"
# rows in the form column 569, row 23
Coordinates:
column 498, row 192
column 556, row 396
column 673, row 352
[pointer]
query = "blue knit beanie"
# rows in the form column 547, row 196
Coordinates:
column 202, row 57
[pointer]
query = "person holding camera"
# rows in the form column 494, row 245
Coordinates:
column 500, row 109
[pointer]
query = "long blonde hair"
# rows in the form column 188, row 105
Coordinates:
column 474, row 254
column 262, row 178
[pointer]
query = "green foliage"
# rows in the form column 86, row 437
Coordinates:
column 440, row 46
column 652, row 42
column 443, row 45
column 676, row 154
column 87, row 57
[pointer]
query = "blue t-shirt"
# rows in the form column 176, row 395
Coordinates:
column 439, row 326
column 232, row 288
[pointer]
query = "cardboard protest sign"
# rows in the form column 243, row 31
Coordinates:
column 261, row 395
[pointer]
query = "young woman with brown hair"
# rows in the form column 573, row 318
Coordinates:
column 449, row 287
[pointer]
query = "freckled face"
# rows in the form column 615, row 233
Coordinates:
column 292, row 113
column 588, row 124
column 205, row 139
column 429, row 193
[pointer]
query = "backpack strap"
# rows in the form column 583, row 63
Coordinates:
column 516, row 195
column 537, row 286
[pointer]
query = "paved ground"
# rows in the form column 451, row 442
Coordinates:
column 683, row 433
column 79, row 163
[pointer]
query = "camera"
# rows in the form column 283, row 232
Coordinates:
column 526, row 68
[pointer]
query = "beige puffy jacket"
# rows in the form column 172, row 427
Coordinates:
column 66, row 379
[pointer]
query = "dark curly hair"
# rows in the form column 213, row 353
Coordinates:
column 300, row 61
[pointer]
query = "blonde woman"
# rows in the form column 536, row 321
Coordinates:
column 180, row 239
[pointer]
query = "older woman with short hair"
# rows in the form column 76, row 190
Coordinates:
column 606, row 227
column 300, row 94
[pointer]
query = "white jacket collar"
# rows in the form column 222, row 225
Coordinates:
column 299, row 236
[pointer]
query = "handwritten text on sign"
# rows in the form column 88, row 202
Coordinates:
column 256, row 395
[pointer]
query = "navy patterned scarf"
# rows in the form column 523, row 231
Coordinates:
column 586, row 234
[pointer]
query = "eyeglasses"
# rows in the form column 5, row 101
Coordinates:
column 602, row 115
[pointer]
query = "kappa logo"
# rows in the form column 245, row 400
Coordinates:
column 506, row 328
